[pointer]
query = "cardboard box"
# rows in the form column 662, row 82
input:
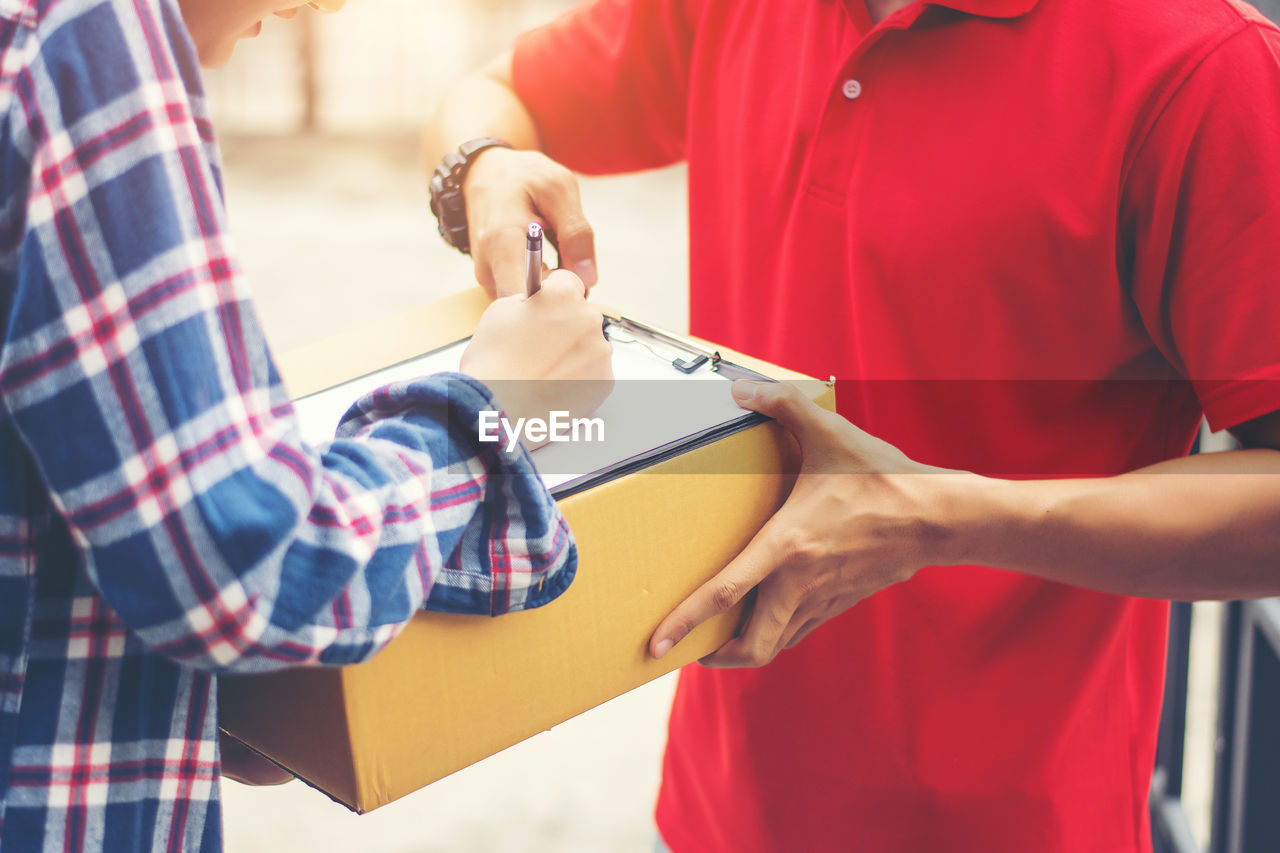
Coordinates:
column 451, row 690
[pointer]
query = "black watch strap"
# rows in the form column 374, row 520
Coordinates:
column 447, row 201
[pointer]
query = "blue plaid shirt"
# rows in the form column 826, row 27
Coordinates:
column 161, row 520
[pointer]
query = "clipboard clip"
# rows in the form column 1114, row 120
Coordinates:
column 691, row 356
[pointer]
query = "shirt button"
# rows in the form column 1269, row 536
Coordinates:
column 851, row 89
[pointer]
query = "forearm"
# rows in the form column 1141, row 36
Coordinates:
column 305, row 558
column 1203, row 527
column 482, row 104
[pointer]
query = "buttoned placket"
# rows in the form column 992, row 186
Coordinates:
column 835, row 145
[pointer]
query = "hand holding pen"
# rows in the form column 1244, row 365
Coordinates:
column 556, row 336
column 505, row 191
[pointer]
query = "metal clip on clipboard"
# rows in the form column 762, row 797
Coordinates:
column 691, row 355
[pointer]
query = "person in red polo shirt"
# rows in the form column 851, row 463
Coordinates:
column 1036, row 240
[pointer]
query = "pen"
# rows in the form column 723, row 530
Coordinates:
column 533, row 259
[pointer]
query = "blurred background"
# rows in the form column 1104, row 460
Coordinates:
column 319, row 120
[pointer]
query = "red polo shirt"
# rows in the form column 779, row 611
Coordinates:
column 1016, row 229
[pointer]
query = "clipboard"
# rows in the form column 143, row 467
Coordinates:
column 671, row 396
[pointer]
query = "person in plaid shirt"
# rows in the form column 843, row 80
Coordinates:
column 161, row 520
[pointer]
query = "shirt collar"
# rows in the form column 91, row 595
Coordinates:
column 988, row 8
column 980, row 8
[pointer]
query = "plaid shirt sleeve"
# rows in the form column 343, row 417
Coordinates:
column 135, row 374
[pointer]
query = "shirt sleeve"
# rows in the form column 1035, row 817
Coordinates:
column 135, row 371
column 1200, row 221
column 607, row 83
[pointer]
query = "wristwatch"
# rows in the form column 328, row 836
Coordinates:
column 447, row 201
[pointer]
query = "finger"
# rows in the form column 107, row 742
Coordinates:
column 506, row 302
column 783, row 402
column 562, row 286
column 762, row 554
column 773, row 619
column 506, row 269
column 498, row 252
column 546, row 271
column 832, row 609
column 556, row 197
column 805, row 630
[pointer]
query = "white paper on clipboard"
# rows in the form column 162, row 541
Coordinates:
column 653, row 405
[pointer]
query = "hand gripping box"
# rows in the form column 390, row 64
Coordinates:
column 451, row 690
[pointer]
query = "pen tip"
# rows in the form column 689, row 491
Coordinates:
column 535, row 231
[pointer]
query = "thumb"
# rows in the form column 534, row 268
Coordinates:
column 575, row 240
column 500, row 269
column 576, row 245
column 781, row 401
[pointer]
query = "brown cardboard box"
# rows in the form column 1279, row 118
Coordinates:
column 451, row 690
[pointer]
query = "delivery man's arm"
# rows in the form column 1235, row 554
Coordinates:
column 617, row 95
column 863, row 516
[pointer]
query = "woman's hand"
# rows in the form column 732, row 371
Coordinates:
column 543, row 353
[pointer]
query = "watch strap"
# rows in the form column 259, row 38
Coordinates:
column 447, row 200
